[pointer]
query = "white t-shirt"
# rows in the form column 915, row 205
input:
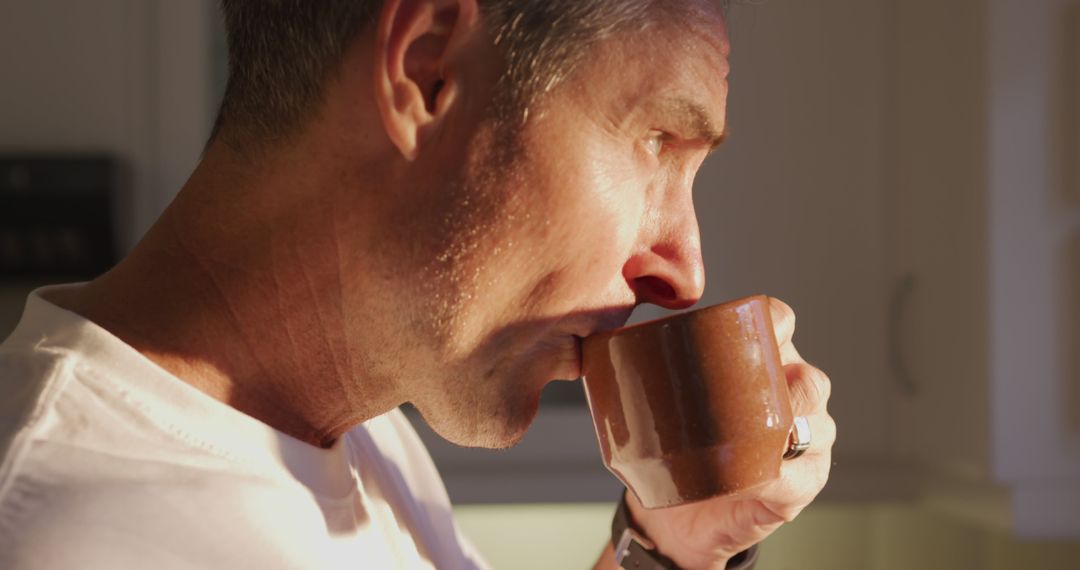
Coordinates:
column 108, row 461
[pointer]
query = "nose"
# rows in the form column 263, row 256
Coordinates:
column 667, row 270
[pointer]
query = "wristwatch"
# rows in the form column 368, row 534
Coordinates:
column 634, row 550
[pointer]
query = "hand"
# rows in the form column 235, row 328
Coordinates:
column 706, row 534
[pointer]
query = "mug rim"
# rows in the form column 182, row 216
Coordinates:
column 661, row 321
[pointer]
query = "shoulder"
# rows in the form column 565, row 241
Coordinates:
column 129, row 514
column 84, row 483
column 27, row 377
column 30, row 381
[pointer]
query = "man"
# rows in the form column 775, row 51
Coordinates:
column 425, row 201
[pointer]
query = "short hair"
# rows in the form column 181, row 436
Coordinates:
column 282, row 52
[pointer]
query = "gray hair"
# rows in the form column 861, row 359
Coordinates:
column 281, row 53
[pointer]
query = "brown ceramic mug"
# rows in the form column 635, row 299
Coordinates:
column 691, row 406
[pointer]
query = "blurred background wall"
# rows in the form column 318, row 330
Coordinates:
column 902, row 172
column 131, row 81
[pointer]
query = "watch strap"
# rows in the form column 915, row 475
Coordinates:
column 633, row 549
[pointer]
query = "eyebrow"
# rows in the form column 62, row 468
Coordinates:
column 694, row 120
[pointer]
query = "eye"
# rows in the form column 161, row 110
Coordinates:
column 655, row 141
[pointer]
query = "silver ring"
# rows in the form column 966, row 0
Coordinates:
column 799, row 440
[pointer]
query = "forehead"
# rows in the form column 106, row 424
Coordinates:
column 682, row 58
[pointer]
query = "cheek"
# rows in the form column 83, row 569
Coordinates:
column 604, row 208
column 588, row 193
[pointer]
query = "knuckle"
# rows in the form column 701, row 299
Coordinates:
column 781, row 513
column 822, row 478
column 818, row 384
column 782, row 314
column 810, row 384
column 781, row 309
column 815, row 477
column 822, row 384
column 830, row 430
column 797, row 384
column 790, row 514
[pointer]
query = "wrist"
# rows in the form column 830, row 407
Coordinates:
column 634, row 547
column 631, row 547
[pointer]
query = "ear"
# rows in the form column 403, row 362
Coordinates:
column 418, row 44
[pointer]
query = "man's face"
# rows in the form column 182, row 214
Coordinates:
column 513, row 260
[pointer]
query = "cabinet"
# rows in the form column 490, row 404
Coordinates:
column 983, row 243
column 939, row 205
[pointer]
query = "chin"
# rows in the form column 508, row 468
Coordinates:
column 495, row 409
column 508, row 426
column 488, row 423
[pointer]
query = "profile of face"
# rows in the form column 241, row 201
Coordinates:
column 506, row 253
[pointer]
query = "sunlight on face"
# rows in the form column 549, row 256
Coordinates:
column 594, row 216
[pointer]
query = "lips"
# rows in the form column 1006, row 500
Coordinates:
column 570, row 364
column 598, row 321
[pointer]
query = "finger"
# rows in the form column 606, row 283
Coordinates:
column 822, row 433
column 783, row 319
column 808, row 387
column 800, row 482
column 790, row 355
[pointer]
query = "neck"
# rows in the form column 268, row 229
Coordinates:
column 237, row 290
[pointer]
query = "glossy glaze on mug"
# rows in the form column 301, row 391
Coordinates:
column 691, row 406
